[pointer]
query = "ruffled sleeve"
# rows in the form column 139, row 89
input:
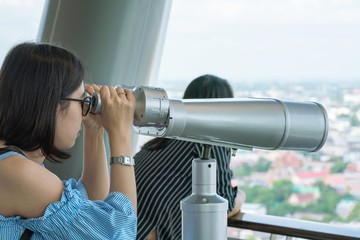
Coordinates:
column 76, row 217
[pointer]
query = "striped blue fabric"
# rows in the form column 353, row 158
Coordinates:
column 163, row 179
column 76, row 217
column 8, row 154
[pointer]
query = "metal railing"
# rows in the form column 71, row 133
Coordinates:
column 288, row 227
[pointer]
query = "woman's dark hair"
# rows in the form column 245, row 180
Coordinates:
column 33, row 79
column 205, row 86
column 208, row 86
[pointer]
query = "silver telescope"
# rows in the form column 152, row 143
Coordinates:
column 237, row 123
column 246, row 123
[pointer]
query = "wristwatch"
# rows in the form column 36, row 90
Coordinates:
column 123, row 160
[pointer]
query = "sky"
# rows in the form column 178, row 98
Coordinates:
column 263, row 39
column 241, row 40
column 19, row 21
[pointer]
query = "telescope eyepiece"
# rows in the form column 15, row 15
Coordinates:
column 96, row 105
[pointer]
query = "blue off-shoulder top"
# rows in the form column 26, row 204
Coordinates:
column 76, row 217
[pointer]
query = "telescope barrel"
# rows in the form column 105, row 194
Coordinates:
column 250, row 123
column 247, row 123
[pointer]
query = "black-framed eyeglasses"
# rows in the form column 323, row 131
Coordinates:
column 85, row 104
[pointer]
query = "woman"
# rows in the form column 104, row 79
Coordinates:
column 43, row 105
column 163, row 172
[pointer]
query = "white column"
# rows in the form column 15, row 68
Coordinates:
column 120, row 41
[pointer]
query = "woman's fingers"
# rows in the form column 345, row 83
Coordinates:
column 91, row 88
column 129, row 95
column 120, row 91
column 105, row 90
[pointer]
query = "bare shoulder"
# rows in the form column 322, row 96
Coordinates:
column 26, row 187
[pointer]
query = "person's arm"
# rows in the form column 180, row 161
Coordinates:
column 118, row 114
column 224, row 174
column 26, row 188
column 95, row 174
column 239, row 200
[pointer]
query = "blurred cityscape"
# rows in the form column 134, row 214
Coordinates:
column 323, row 186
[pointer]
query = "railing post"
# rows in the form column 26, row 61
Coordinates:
column 273, row 237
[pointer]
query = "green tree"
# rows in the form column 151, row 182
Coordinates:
column 355, row 214
column 282, row 190
column 327, row 202
column 243, row 171
column 258, row 194
column 339, row 166
column 262, row 165
column 282, row 209
column 271, row 198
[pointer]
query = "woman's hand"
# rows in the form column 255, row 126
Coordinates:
column 118, row 106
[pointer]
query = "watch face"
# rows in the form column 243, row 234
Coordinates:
column 123, row 160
